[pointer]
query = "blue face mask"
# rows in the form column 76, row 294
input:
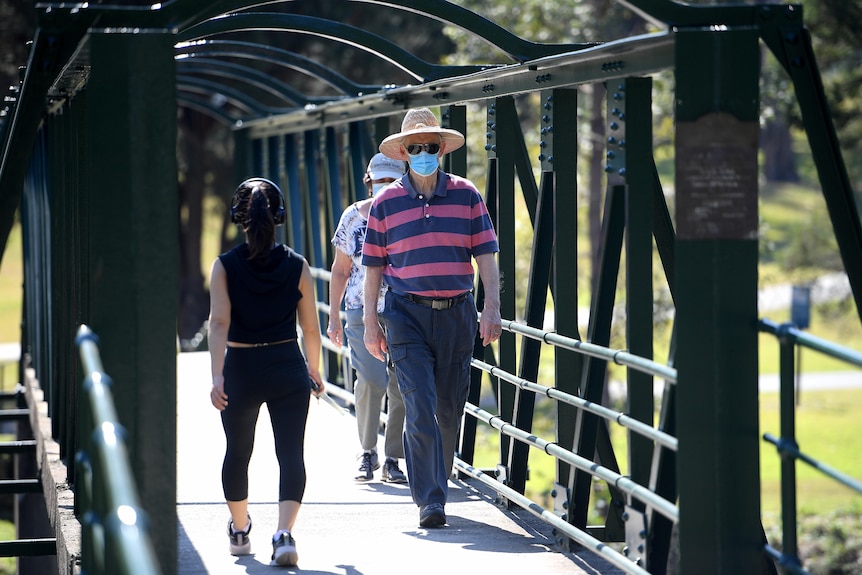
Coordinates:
column 424, row 163
column 376, row 188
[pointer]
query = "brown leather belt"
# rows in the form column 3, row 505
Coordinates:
column 432, row 302
column 238, row 344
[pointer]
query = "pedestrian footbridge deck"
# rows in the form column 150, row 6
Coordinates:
column 344, row 527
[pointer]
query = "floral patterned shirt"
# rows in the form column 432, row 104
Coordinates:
column 349, row 238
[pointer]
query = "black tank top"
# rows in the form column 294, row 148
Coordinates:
column 263, row 294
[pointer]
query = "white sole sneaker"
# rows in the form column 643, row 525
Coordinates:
column 238, row 541
column 284, row 551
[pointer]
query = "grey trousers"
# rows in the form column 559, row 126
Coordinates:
column 374, row 382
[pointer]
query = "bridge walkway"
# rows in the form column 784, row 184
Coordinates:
column 344, row 527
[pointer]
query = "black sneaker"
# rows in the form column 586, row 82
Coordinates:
column 284, row 550
column 432, row 515
column 369, row 465
column 239, row 543
column 391, row 473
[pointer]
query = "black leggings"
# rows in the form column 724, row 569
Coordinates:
column 276, row 375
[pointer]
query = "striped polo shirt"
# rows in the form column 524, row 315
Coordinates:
column 425, row 245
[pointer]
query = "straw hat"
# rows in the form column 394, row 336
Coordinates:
column 420, row 121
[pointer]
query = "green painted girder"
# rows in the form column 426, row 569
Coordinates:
column 534, row 316
column 276, row 56
column 322, row 28
column 246, row 76
column 182, row 14
column 641, row 55
column 50, row 51
column 790, row 42
column 587, row 432
column 513, row 46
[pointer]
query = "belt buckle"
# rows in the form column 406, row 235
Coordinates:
column 440, row 304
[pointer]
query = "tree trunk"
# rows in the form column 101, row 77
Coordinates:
column 779, row 163
column 193, row 298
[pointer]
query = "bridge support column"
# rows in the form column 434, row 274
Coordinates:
column 133, row 252
column 716, row 285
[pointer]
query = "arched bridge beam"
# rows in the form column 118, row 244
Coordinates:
column 272, row 55
column 193, row 101
column 350, row 35
column 236, row 98
column 182, row 14
column 244, row 75
column 513, row 46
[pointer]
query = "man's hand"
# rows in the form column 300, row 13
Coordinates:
column 490, row 325
column 375, row 339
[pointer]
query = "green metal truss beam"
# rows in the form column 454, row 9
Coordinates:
column 632, row 57
column 245, row 76
column 322, row 28
column 272, row 55
column 204, row 106
column 236, row 98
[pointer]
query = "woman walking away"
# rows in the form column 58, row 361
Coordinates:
column 259, row 291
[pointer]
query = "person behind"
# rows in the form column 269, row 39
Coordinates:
column 423, row 233
column 373, row 379
column 259, row 290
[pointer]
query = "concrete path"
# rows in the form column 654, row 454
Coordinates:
column 344, row 528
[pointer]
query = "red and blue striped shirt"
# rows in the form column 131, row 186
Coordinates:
column 426, row 244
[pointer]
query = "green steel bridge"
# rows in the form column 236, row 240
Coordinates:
column 87, row 158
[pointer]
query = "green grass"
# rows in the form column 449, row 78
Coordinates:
column 11, row 280
column 826, row 429
column 7, row 533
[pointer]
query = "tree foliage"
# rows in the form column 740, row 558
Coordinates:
column 836, row 30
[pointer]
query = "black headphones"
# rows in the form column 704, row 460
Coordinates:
column 278, row 215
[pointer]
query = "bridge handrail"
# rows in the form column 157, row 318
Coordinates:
column 792, row 449
column 622, row 482
column 618, row 356
column 585, row 539
column 619, row 417
column 806, row 340
column 789, row 336
column 114, row 533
